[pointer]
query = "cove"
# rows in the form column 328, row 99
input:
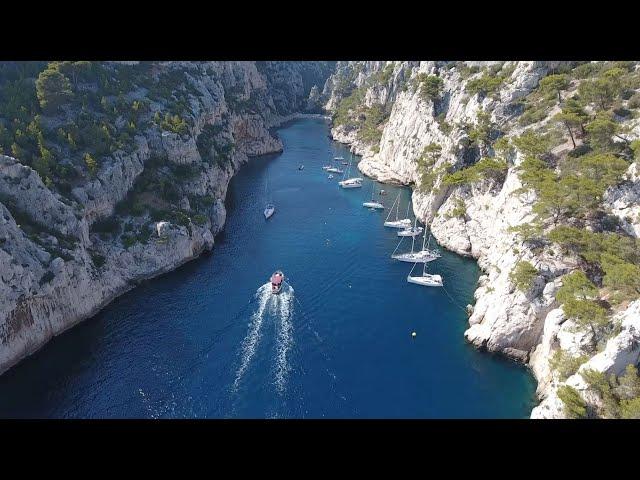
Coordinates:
column 208, row 340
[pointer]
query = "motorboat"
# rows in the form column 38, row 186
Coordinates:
column 277, row 279
column 269, row 210
column 334, row 170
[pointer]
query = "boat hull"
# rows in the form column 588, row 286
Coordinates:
column 374, row 205
column 426, row 281
column 398, row 224
column 410, row 233
column 413, row 258
column 268, row 212
column 277, row 281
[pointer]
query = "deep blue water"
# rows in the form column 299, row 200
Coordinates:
column 190, row 344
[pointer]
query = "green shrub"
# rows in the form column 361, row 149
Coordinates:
column 485, row 168
column 566, row 364
column 109, row 225
column 430, row 86
column 200, row 219
column 46, row 278
column 98, row 260
column 484, row 85
column 523, row 275
column 574, row 404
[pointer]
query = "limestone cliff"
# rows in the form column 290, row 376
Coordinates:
column 476, row 219
column 78, row 232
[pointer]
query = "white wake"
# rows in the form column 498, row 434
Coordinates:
column 284, row 339
column 263, row 295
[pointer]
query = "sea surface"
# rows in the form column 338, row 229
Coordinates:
column 209, row 340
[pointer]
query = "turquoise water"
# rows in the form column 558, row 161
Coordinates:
column 208, row 340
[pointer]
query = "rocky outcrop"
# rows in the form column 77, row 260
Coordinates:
column 55, row 271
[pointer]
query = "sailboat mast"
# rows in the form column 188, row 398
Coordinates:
column 413, row 237
column 392, row 207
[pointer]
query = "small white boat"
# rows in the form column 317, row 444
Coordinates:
column 423, row 256
column 338, row 158
column 355, row 182
column 269, row 210
column 334, row 170
column 330, row 176
column 410, row 232
column 397, row 223
column 426, row 279
column 301, row 167
column 372, row 204
column 351, row 183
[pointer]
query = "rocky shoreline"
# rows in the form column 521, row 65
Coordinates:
column 44, row 294
column 524, row 326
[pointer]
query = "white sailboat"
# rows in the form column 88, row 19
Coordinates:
column 426, row 279
column 410, row 232
column 373, row 204
column 423, row 256
column 404, row 223
column 270, row 208
column 355, row 182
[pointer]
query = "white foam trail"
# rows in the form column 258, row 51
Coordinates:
column 253, row 335
column 284, row 339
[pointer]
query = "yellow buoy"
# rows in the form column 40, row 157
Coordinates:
column 413, row 334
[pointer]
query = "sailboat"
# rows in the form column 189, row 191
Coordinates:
column 410, row 232
column 426, row 279
column 270, row 208
column 404, row 223
column 355, row 182
column 423, row 256
column 373, row 204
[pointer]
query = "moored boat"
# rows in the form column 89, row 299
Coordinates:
column 351, row 183
column 410, row 232
column 398, row 223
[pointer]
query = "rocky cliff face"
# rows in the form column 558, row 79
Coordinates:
column 525, row 326
column 65, row 253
